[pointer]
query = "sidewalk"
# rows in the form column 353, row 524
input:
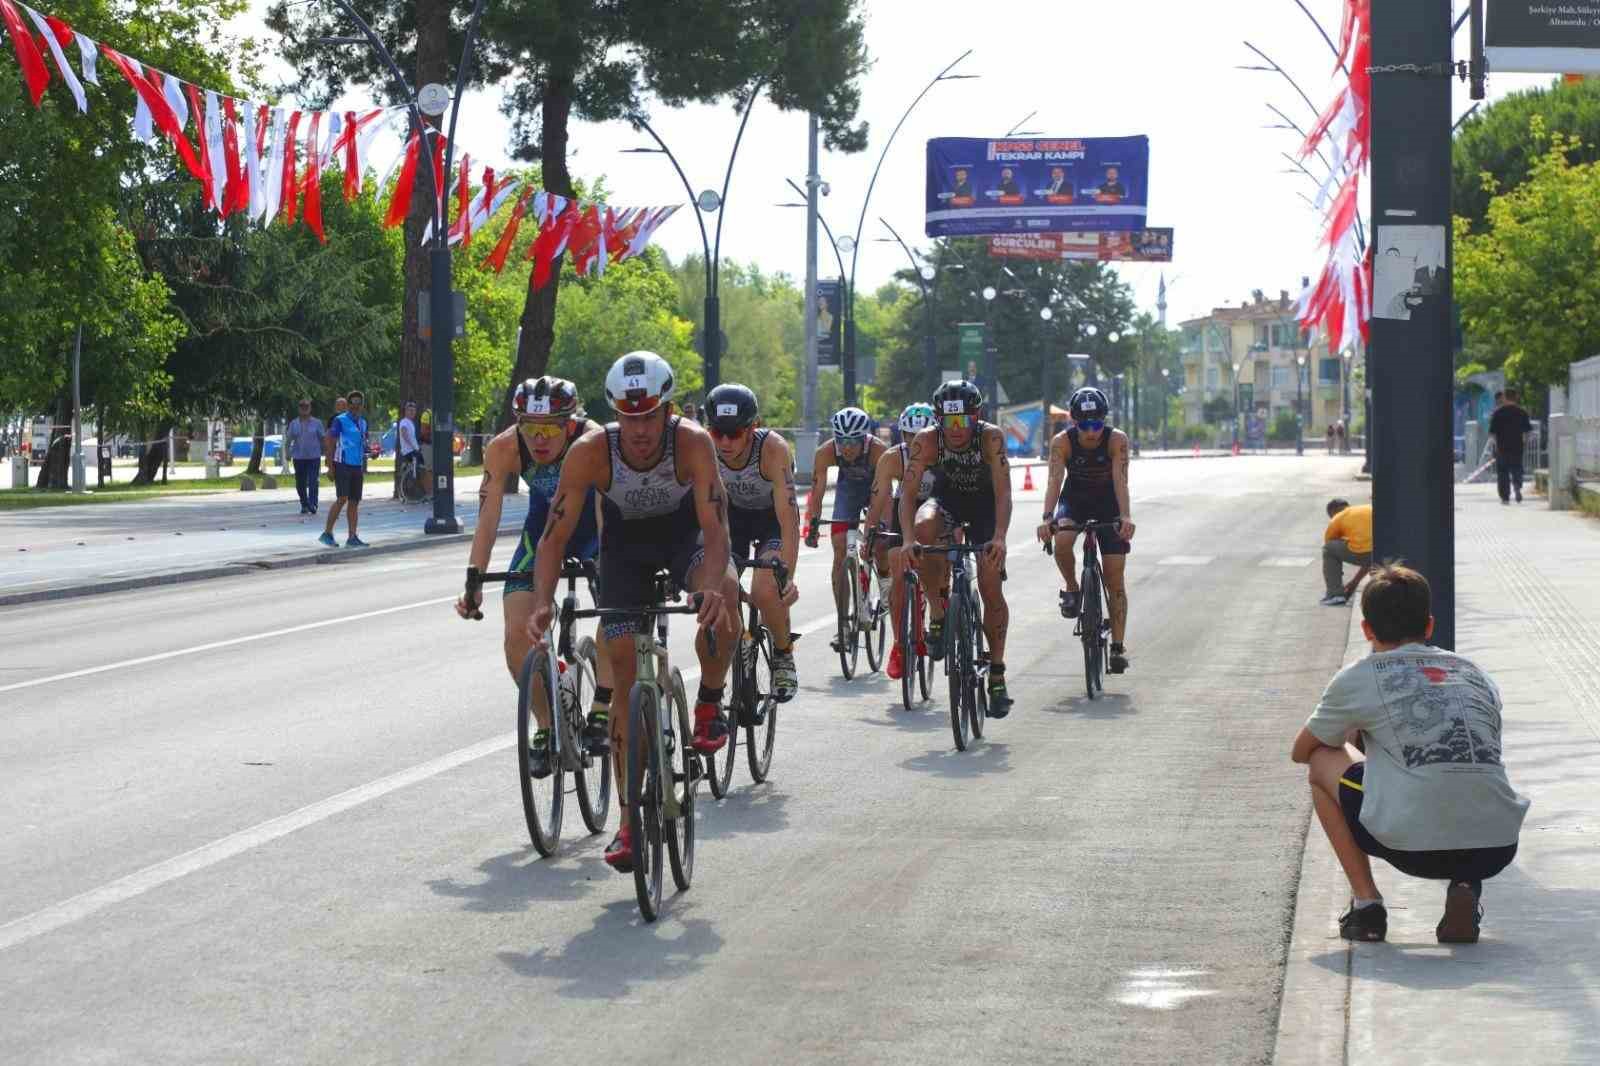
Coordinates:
column 1528, row 612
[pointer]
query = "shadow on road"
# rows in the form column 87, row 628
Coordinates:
column 750, row 808
column 984, row 758
column 519, row 878
column 1108, row 705
column 925, row 719
column 620, row 951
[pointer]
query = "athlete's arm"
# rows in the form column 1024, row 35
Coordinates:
column 994, row 450
column 820, row 464
column 491, row 495
column 585, row 467
column 924, row 446
column 1060, row 449
column 697, row 457
column 777, row 466
column 1119, row 481
column 884, row 476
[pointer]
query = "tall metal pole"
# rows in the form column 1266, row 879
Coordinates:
column 808, row 418
column 1410, row 360
column 930, row 352
column 77, row 412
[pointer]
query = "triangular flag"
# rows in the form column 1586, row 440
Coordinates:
column 497, row 258
column 34, row 72
column 400, row 201
column 208, row 182
column 254, row 131
column 238, row 191
column 272, row 176
column 216, row 155
column 52, row 40
column 464, row 200
column 291, row 169
column 547, row 247
column 88, row 51
column 314, row 182
column 155, row 103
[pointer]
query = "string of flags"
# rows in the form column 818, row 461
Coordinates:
column 1340, row 302
column 266, row 163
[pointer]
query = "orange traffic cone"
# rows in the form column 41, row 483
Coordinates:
column 1027, row 478
column 1235, row 447
column 1197, row 451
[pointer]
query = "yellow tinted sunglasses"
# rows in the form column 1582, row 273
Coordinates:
column 956, row 421
column 545, row 430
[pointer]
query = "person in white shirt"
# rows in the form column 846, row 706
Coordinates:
column 406, row 446
column 1404, row 752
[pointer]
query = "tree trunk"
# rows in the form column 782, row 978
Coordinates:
column 433, row 65
column 53, row 474
column 258, row 445
column 539, row 310
column 154, row 456
column 476, row 456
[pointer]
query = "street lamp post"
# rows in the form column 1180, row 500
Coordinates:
column 1299, row 418
column 924, row 275
column 1045, row 315
column 1166, row 403
column 853, row 248
column 707, row 201
column 1344, row 382
column 1236, row 367
column 989, row 293
column 441, row 297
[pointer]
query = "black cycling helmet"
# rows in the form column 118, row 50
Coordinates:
column 1089, row 404
column 730, row 408
column 546, row 397
column 957, row 397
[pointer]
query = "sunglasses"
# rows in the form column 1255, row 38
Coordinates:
column 543, row 430
column 1091, row 425
column 726, row 434
column 956, row 421
column 635, row 408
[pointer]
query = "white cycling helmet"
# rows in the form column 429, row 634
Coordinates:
column 639, row 382
column 851, row 423
column 916, row 416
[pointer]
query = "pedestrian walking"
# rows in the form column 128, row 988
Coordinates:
column 1426, row 722
column 347, row 453
column 305, row 435
column 1509, row 426
column 1348, row 539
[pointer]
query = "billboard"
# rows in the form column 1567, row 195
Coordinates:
column 1538, row 36
column 830, row 322
column 1036, row 185
column 1132, row 246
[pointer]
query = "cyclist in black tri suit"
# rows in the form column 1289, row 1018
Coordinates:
column 972, row 484
column 758, row 472
column 663, row 506
column 1089, row 482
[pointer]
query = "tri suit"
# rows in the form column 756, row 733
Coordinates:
column 1089, row 494
column 924, row 490
column 650, row 524
column 853, row 488
column 542, row 481
column 752, row 514
column 963, row 487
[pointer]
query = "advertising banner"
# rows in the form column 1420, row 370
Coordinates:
column 1539, row 36
column 830, row 322
column 1129, row 246
column 1036, row 185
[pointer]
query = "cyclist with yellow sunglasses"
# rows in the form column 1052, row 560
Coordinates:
column 548, row 421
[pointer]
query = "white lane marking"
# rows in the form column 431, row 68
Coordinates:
column 1187, row 560
column 139, row 882
column 1287, row 560
column 1161, row 989
column 229, row 643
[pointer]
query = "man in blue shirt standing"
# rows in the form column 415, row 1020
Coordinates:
column 304, row 441
column 347, row 453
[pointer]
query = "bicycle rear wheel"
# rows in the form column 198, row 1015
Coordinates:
column 920, row 617
column 719, row 766
column 958, row 662
column 978, row 701
column 593, row 774
column 849, row 625
column 541, row 798
column 1089, row 624
column 905, row 633
column 646, row 806
column 682, row 776
column 760, row 739
column 874, row 625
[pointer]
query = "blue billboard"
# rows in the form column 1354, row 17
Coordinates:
column 1036, row 185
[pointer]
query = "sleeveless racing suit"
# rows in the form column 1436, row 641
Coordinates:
column 752, row 515
column 650, row 525
column 1088, row 494
column 542, row 481
column 963, row 486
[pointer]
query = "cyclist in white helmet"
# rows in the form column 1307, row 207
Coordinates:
column 855, row 452
column 885, row 505
column 663, row 506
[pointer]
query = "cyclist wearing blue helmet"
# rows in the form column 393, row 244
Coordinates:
column 883, row 512
column 855, row 452
column 1089, row 482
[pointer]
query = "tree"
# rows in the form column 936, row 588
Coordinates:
column 763, row 317
column 1500, row 141
column 1527, row 285
column 598, row 60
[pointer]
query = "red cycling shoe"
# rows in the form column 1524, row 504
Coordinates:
column 710, row 729
column 619, row 855
column 897, row 664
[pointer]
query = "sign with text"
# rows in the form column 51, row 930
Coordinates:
column 1131, row 246
column 1036, row 185
column 1543, row 36
column 830, row 322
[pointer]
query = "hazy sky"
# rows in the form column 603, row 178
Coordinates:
column 1164, row 68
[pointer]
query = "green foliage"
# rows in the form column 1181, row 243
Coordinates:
column 1199, row 433
column 1218, row 409
column 762, row 317
column 1495, row 144
column 1283, row 426
column 1527, row 286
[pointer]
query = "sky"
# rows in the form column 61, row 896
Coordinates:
column 1163, row 68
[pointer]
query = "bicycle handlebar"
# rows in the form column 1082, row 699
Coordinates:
column 1067, row 525
column 780, row 572
column 571, row 570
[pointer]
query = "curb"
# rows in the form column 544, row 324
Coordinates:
column 1314, row 1007
column 325, row 557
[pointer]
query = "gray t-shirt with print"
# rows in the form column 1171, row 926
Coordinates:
column 1434, row 780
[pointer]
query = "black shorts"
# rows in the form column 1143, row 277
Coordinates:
column 1094, row 509
column 747, row 528
column 1466, row 864
column 955, row 510
column 348, row 481
column 629, row 560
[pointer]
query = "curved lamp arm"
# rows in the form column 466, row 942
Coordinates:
column 640, row 122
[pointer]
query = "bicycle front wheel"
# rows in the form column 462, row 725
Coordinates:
column 920, row 620
column 958, row 665
column 1089, row 623
column 593, row 774
column 719, row 766
column 849, row 627
column 541, row 797
column 905, row 631
column 760, row 739
column 874, row 624
column 646, row 806
column 682, row 776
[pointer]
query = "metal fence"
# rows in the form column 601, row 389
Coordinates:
column 1583, row 403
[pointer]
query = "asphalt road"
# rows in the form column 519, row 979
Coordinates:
column 275, row 819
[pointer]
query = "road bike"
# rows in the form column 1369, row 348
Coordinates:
column 562, row 673
column 911, row 629
column 1094, row 626
column 412, row 480
column 663, row 771
column 966, row 656
column 863, row 618
column 751, row 703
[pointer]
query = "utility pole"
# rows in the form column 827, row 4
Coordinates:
column 1409, row 360
column 77, row 413
column 806, row 440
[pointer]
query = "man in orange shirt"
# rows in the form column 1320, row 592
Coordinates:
column 1348, row 539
